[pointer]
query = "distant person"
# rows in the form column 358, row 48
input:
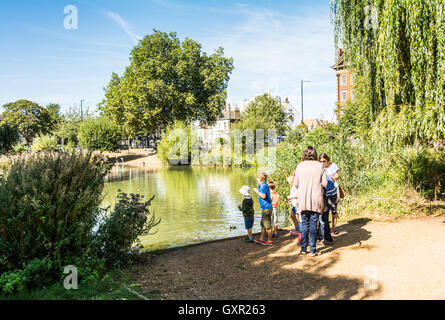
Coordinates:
column 263, row 193
column 310, row 178
column 332, row 192
column 248, row 212
column 296, row 218
column 275, row 199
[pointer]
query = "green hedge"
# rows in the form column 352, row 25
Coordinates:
column 99, row 134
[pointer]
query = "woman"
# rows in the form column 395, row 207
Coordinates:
column 310, row 179
column 332, row 194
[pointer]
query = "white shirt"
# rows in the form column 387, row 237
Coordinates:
column 331, row 171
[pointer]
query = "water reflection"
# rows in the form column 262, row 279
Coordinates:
column 195, row 204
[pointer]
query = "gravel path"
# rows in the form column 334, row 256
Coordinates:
column 369, row 260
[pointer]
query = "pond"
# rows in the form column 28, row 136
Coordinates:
column 195, row 204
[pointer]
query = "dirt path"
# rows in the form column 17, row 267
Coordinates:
column 403, row 260
column 141, row 158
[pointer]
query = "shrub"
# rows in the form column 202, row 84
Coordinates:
column 424, row 168
column 99, row 134
column 20, row 147
column 118, row 234
column 8, row 137
column 45, row 143
column 49, row 208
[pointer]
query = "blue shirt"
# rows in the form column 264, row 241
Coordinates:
column 331, row 189
column 265, row 203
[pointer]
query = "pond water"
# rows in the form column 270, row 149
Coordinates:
column 195, row 204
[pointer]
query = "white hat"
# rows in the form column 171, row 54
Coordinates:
column 245, row 191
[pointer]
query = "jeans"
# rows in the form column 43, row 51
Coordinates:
column 309, row 229
column 324, row 230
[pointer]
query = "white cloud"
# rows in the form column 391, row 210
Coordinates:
column 274, row 51
column 124, row 25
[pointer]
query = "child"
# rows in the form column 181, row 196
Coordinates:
column 275, row 198
column 331, row 194
column 294, row 215
column 248, row 212
column 263, row 193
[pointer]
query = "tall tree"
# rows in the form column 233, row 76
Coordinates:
column 30, row 118
column 25, row 116
column 396, row 50
column 264, row 112
column 167, row 80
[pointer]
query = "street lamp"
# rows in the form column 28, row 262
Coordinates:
column 302, row 115
column 81, row 109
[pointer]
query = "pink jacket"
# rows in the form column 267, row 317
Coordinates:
column 310, row 178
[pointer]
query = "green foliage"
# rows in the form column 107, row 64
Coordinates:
column 99, row 134
column 167, row 80
column 20, row 147
column 406, row 125
column 8, row 137
column 45, row 143
column 68, row 127
column 264, row 112
column 423, row 168
column 49, row 208
column 119, row 232
column 175, row 144
column 30, row 118
column 396, row 52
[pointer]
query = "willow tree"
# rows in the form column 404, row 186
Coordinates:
column 167, row 80
column 396, row 51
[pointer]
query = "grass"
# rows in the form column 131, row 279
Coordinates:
column 389, row 201
column 110, row 288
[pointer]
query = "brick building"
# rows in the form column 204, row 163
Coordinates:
column 344, row 81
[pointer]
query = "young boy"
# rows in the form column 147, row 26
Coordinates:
column 248, row 212
column 275, row 199
column 263, row 193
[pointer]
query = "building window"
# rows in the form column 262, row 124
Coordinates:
column 343, row 80
column 344, row 95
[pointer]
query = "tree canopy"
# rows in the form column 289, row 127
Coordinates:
column 167, row 80
column 264, row 112
column 396, row 51
column 30, row 118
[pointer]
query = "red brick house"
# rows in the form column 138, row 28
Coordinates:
column 344, row 81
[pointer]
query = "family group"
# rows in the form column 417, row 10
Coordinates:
column 314, row 195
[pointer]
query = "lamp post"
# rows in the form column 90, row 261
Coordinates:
column 81, row 109
column 302, row 115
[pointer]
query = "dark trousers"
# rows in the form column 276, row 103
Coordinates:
column 309, row 230
column 324, row 229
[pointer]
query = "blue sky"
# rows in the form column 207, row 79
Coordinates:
column 275, row 44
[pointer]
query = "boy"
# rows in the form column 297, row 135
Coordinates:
column 275, row 199
column 248, row 212
column 263, row 193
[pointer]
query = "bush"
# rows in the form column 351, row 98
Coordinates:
column 8, row 137
column 20, row 147
column 424, row 168
column 45, row 143
column 118, row 234
column 99, row 134
column 49, row 208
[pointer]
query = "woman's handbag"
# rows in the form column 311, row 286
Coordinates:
column 341, row 192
